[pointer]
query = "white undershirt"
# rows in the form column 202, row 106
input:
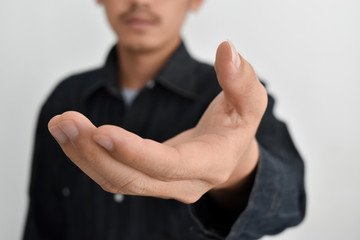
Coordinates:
column 129, row 95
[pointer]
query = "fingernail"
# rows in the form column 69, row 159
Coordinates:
column 104, row 141
column 70, row 130
column 58, row 134
column 235, row 55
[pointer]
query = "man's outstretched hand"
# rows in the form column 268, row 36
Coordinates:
column 218, row 154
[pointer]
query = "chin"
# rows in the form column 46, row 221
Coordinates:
column 139, row 45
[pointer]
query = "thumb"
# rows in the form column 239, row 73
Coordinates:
column 238, row 80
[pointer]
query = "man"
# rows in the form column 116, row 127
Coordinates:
column 210, row 178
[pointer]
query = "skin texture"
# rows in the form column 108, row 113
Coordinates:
column 218, row 156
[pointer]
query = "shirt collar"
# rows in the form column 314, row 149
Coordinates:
column 177, row 75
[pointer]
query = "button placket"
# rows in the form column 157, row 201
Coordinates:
column 118, row 197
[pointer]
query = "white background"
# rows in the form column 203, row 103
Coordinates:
column 308, row 51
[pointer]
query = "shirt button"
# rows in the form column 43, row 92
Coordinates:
column 118, row 197
column 150, row 84
column 65, row 191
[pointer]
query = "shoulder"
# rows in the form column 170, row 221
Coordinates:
column 79, row 82
column 69, row 93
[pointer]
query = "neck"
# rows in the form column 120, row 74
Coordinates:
column 138, row 67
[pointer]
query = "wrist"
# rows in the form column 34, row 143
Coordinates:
column 235, row 192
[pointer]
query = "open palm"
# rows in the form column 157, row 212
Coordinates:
column 219, row 152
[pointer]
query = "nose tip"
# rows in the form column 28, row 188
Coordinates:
column 140, row 5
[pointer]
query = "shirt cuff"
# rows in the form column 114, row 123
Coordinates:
column 218, row 223
column 214, row 220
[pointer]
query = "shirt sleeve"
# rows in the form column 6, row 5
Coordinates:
column 277, row 199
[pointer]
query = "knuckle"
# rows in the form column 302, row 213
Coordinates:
column 69, row 115
column 108, row 187
column 135, row 186
column 220, row 178
column 248, row 68
column 189, row 199
column 169, row 174
column 89, row 155
column 104, row 129
column 264, row 100
column 138, row 188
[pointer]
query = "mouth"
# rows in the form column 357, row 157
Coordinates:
column 139, row 23
column 139, row 19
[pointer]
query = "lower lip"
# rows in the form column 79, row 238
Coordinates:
column 139, row 25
